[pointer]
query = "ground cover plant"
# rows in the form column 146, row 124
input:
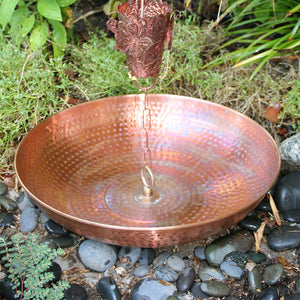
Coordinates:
column 27, row 262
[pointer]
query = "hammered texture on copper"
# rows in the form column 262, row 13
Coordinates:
column 212, row 166
column 141, row 33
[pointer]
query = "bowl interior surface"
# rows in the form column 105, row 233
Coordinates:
column 209, row 162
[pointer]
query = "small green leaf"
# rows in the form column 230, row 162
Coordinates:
column 64, row 3
column 59, row 38
column 7, row 8
column 27, row 25
column 49, row 9
column 39, row 36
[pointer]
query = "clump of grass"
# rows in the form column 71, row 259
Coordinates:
column 30, row 89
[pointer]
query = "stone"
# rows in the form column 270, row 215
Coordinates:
column 96, row 255
column 215, row 253
column 264, row 205
column 292, row 215
column 292, row 297
column 290, row 154
column 3, row 188
column 55, row 229
column 256, row 257
column 284, row 238
column 129, row 255
column 215, row 288
column 56, row 270
column 6, row 289
column 24, row 200
column 239, row 241
column 147, row 256
column 8, row 204
column 152, row 289
column 165, row 274
column 297, row 285
column 6, row 219
column 28, row 219
column 108, row 289
column 199, row 252
column 64, row 241
column 196, row 291
column 250, row 223
column 254, row 280
column 287, row 193
column 161, row 259
column 272, row 273
column 43, row 218
column 75, row 292
column 176, row 263
column 185, row 280
column 210, row 273
column 268, row 294
column 233, row 269
column 141, row 271
column 49, row 242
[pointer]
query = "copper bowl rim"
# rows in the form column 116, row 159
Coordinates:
column 146, row 229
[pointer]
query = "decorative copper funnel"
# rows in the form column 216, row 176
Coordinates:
column 141, row 33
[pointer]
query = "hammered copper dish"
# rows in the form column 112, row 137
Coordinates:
column 212, row 166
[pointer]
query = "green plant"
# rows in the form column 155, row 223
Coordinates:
column 20, row 18
column 28, row 263
column 262, row 30
column 31, row 88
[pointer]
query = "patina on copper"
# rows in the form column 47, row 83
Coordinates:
column 212, row 166
column 141, row 31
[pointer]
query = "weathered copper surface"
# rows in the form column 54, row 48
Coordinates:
column 141, row 32
column 212, row 166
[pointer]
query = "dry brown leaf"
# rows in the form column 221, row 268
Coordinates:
column 272, row 112
column 258, row 235
column 274, row 210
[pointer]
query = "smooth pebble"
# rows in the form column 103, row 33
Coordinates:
column 185, row 280
column 199, row 252
column 130, row 255
column 147, row 256
column 141, row 271
column 176, row 263
column 254, row 280
column 165, row 274
column 8, row 204
column 284, row 237
column 210, row 273
column 272, row 273
column 215, row 288
column 108, row 289
column 28, row 219
column 152, row 289
column 75, row 292
column 3, row 188
column 96, row 255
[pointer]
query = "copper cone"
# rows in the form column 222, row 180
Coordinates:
column 141, row 33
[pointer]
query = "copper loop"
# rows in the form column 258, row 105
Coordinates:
column 146, row 119
column 143, row 176
column 147, row 157
column 142, row 88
